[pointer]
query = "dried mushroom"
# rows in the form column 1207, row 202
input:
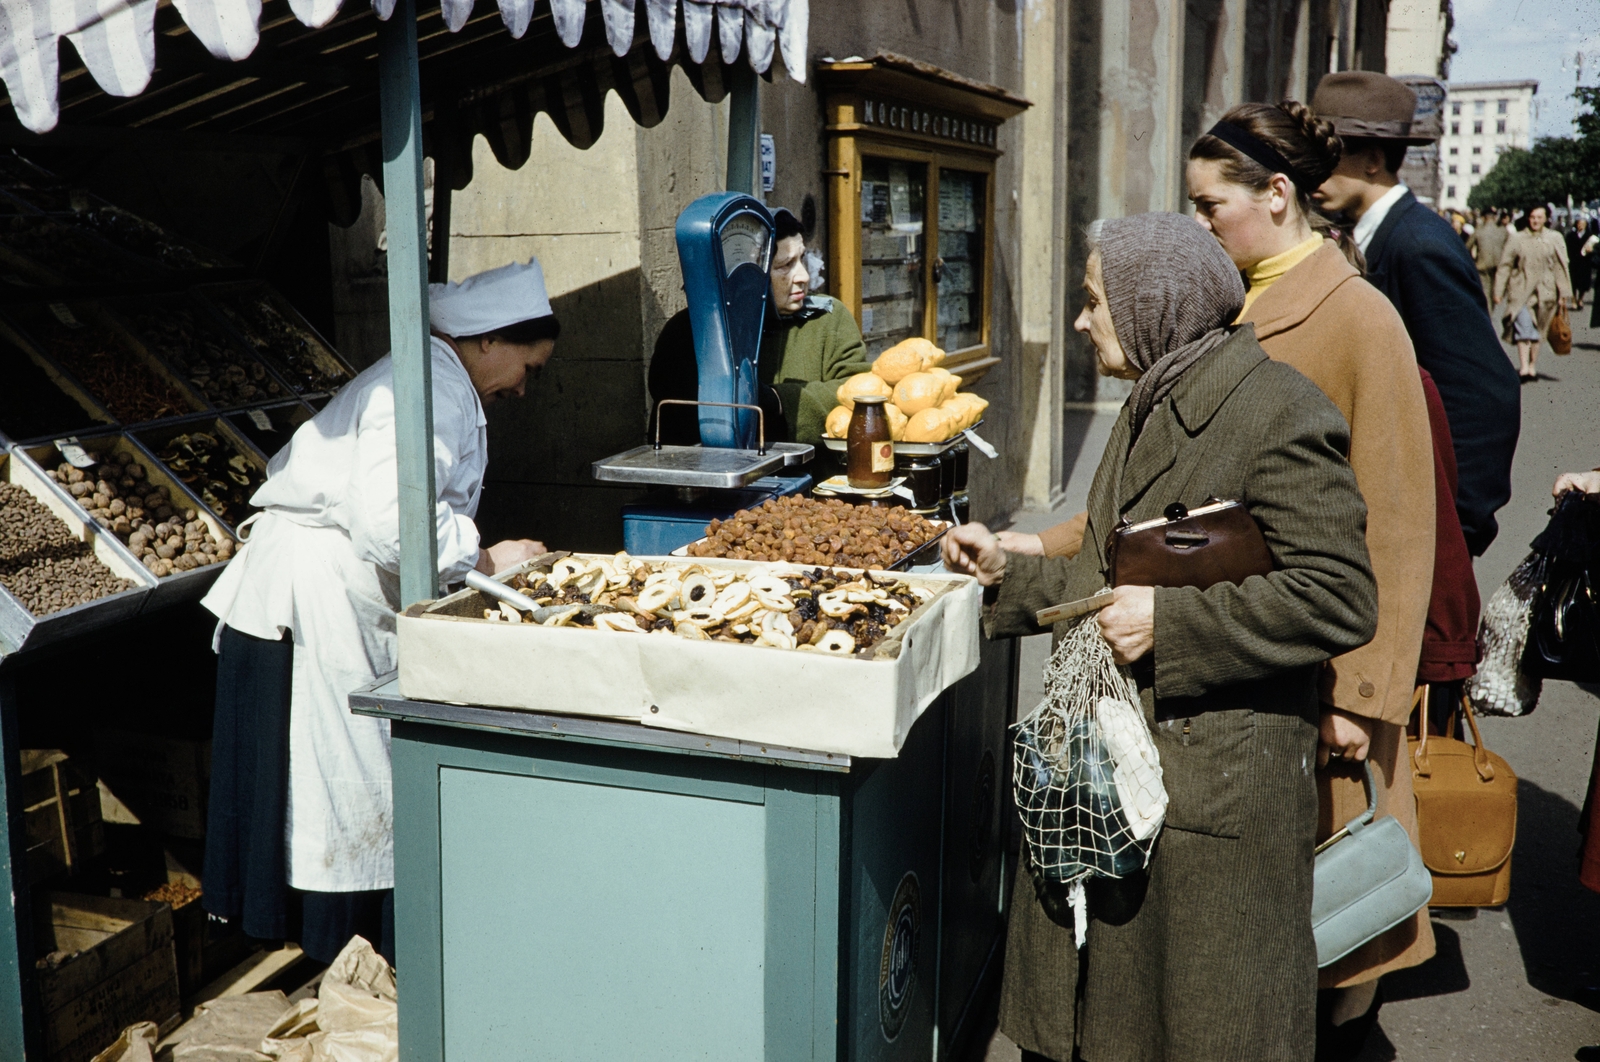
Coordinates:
column 223, row 477
column 280, row 341
column 166, row 535
column 197, row 349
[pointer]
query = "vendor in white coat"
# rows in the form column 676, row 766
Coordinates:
column 299, row 842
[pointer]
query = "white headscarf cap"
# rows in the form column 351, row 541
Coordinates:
column 495, row 298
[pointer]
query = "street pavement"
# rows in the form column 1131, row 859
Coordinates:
column 1519, row 983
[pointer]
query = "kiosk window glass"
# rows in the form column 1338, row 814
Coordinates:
column 960, row 266
column 893, row 292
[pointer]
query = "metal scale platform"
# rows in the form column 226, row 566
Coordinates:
column 725, row 244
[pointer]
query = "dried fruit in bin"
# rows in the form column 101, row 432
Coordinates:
column 67, row 254
column 41, row 563
column 224, row 374
column 133, row 233
column 107, row 367
column 281, row 341
column 212, row 468
column 166, row 535
column 817, row 531
column 818, row 610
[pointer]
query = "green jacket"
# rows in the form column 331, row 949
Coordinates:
column 805, row 356
column 1222, row 919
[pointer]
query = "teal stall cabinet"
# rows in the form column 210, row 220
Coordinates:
column 575, row 889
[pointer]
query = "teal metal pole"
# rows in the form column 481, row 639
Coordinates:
column 401, row 104
column 16, row 924
column 744, row 130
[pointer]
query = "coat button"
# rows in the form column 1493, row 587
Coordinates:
column 1366, row 689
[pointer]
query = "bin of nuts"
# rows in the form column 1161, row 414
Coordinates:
column 156, row 521
column 820, row 532
column 42, row 564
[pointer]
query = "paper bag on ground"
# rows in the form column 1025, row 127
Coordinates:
column 353, row 1019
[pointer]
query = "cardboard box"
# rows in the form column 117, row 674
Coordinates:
column 107, row 963
column 807, row 700
column 164, row 782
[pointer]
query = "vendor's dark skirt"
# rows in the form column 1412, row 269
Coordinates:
column 246, row 868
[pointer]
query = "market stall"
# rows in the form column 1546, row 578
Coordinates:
column 789, row 854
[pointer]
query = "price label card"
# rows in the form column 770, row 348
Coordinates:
column 258, row 417
column 64, row 314
column 76, row 455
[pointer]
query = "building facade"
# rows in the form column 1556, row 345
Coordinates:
column 1482, row 120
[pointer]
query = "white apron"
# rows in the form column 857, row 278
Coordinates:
column 319, row 563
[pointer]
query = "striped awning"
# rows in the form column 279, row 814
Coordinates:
column 116, row 39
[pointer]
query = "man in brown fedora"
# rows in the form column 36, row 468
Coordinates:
column 1416, row 258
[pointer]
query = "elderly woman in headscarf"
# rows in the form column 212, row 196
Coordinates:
column 1206, row 955
column 299, row 840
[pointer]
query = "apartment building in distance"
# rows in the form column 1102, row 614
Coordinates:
column 1482, row 119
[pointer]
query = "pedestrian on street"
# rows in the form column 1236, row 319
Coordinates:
column 1208, row 954
column 1415, row 258
column 1531, row 281
column 1251, row 179
column 1581, row 264
column 1485, row 245
column 1589, row 820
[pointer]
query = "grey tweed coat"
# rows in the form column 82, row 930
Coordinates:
column 1208, row 956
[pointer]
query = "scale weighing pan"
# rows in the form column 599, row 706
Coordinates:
column 712, row 467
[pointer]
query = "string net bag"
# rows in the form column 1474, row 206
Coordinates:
column 1086, row 774
column 1500, row 687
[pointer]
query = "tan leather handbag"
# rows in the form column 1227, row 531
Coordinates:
column 1466, row 814
column 1560, row 334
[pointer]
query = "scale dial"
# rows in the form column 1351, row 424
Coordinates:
column 744, row 241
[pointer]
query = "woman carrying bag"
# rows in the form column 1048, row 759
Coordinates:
column 1208, row 955
column 1531, row 284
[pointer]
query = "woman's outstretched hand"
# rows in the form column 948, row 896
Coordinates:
column 1588, row 482
column 1017, row 542
column 1128, row 624
column 973, row 549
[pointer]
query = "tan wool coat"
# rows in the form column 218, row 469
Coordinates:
column 1322, row 318
column 1533, row 271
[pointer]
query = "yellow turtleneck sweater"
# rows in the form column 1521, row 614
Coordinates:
column 1262, row 275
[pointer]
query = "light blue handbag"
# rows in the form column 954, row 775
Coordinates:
column 1369, row 878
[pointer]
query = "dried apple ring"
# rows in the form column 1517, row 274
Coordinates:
column 837, row 642
column 699, row 617
column 617, row 621
column 698, row 591
column 656, row 597
column 732, row 596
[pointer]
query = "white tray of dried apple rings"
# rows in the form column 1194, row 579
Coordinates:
column 827, row 659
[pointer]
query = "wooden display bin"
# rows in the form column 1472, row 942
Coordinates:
column 106, row 964
column 61, row 815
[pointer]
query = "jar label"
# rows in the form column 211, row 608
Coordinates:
column 883, row 457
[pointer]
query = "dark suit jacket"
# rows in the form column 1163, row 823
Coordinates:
column 1417, row 260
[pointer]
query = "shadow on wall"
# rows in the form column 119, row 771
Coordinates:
column 590, row 402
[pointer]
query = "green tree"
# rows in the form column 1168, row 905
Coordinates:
column 1556, row 166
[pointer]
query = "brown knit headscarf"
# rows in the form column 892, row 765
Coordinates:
column 1172, row 292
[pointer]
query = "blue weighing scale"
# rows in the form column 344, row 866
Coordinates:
column 725, row 243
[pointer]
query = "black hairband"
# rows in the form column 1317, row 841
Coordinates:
column 1261, row 151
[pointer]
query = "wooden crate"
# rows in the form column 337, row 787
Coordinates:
column 107, row 963
column 164, row 781
column 61, row 815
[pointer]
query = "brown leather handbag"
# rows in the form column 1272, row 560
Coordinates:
column 1466, row 813
column 1560, row 333
column 1215, row 543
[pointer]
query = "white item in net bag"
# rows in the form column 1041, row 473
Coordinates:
column 1138, row 768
